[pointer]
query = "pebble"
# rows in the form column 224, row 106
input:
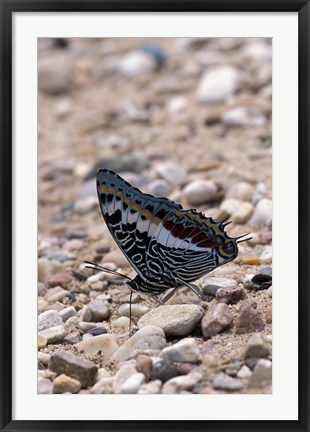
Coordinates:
column 44, row 358
column 216, row 319
column 42, row 342
column 184, row 382
column 262, row 215
column 49, row 319
column 158, row 188
column 262, row 279
column 42, row 289
column 269, row 291
column 133, row 384
column 144, row 364
column 105, row 345
column 223, row 381
column 218, row 84
column 64, row 383
column 262, row 374
column 257, row 347
column 82, row 207
column 73, row 245
column 57, row 256
column 230, row 294
column 250, row 259
column 53, row 334
column 249, row 319
column 103, row 386
column 171, row 172
column 56, row 294
column 67, row 313
column 137, row 310
column 73, row 338
column 62, row 279
column 156, row 52
column 244, row 372
column 242, row 191
column 96, row 331
column 163, row 370
column 266, row 255
column 152, row 387
column 85, row 314
column 66, row 362
column 99, row 310
column 55, row 74
column 207, row 281
column 149, row 337
column 46, row 268
column 45, row 386
column 177, row 320
column 117, row 258
column 199, row 192
column 186, row 350
column 136, row 63
column 86, row 326
column 243, row 213
column 238, row 116
column 229, row 206
column 120, row 323
column 177, row 104
column 72, row 323
column 125, row 371
column 102, row 373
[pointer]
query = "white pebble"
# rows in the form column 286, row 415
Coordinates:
column 186, row 350
column 133, row 384
column 262, row 214
column 200, row 192
column 218, row 84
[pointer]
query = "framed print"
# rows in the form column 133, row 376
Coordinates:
column 154, row 203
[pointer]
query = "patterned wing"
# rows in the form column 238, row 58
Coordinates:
column 131, row 216
column 190, row 245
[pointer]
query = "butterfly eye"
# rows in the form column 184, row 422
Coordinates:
column 229, row 247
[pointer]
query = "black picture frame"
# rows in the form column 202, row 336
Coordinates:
column 8, row 8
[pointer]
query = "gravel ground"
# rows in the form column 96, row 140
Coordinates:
column 189, row 119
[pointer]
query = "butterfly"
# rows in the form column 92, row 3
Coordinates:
column 167, row 246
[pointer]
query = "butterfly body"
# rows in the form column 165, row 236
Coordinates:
column 166, row 245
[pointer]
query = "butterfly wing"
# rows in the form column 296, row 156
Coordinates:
column 132, row 217
column 190, row 245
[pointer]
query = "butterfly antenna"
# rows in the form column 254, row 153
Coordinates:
column 94, row 266
column 224, row 220
column 243, row 235
column 225, row 224
column 130, row 311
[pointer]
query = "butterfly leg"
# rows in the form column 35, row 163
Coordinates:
column 153, row 297
column 193, row 288
column 169, row 295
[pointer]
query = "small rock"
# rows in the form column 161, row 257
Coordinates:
column 257, row 347
column 82, row 207
column 266, row 255
column 75, row 367
column 199, row 192
column 99, row 310
column 250, row 260
column 86, row 326
column 46, row 268
column 103, row 386
column 44, row 358
column 184, row 382
column 177, row 104
column 238, row 116
column 49, row 319
column 136, row 63
column 85, row 314
column 158, row 188
column 224, row 382
column 133, row 384
column 230, row 206
column 42, row 289
column 60, row 279
column 269, row 291
column 171, row 172
column 186, row 350
column 153, row 387
column 64, row 383
column 137, row 310
column 185, row 368
column 249, row 319
column 96, row 331
column 149, row 337
column 45, row 386
column 122, row 375
column 73, row 245
column 53, row 334
column 230, row 295
column 42, row 341
column 262, row 374
column 262, row 215
column 72, row 324
column 243, row 213
column 244, row 372
column 67, row 313
column 105, row 345
column 216, row 320
column 262, row 279
column 55, row 74
column 73, row 338
column 117, row 258
column 164, row 370
column 218, row 84
column 210, row 285
column 102, row 373
column 56, row 294
column 144, row 364
column 120, row 323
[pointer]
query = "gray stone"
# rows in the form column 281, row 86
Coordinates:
column 224, row 382
column 136, row 63
column 199, row 192
column 171, row 172
column 149, row 337
column 244, row 372
column 230, row 295
column 163, row 370
column 262, row 374
column 67, row 313
column 218, row 84
column 75, row 367
column 99, row 310
column 42, row 289
column 137, row 310
column 45, row 386
column 103, row 386
column 257, row 347
column 185, row 382
column 44, row 358
column 216, row 320
column 55, row 74
column 105, row 345
column 186, row 350
column 73, row 338
column 47, row 268
column 54, row 334
column 125, row 371
column 152, row 387
column 72, row 323
column 262, row 215
column 158, row 188
column 249, row 319
column 49, row 319
column 178, row 320
column 85, row 314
